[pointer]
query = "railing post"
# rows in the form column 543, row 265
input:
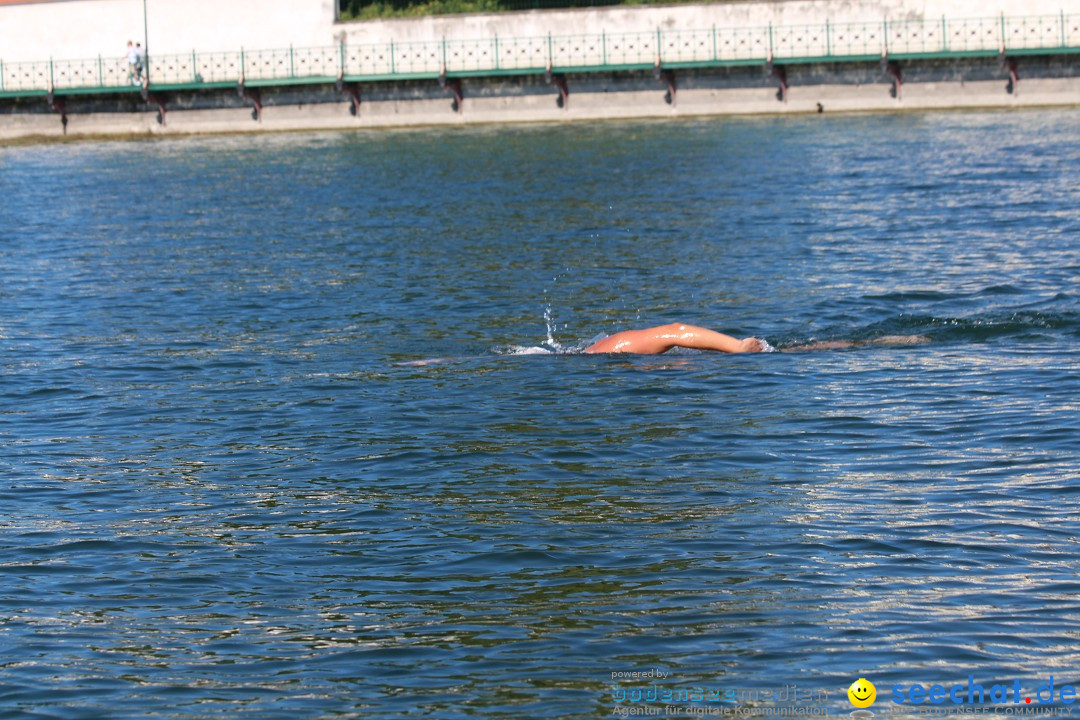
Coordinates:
column 100, row 72
column 770, row 42
column 194, row 67
column 885, row 36
column 341, row 59
column 603, row 46
column 243, row 65
column 715, row 51
column 828, row 42
column 1, row 76
column 392, row 70
column 1003, row 32
column 496, row 51
column 550, row 64
column 659, row 44
column 292, row 63
column 51, row 83
column 444, row 53
column 1062, row 28
column 944, row 35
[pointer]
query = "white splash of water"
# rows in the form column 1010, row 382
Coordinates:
column 551, row 325
column 526, row 350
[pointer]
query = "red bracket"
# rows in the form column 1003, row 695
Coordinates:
column 892, row 69
column 59, row 104
column 253, row 96
column 559, row 81
column 454, row 86
column 353, row 91
column 1013, row 86
column 780, row 73
column 668, row 78
column 155, row 99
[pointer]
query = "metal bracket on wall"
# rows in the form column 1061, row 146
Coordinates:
column 59, row 104
column 353, row 91
column 892, row 69
column 668, row 78
column 559, row 81
column 454, row 86
column 155, row 99
column 1013, row 86
column 253, row 96
column 780, row 73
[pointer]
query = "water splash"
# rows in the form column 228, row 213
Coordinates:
column 524, row 350
column 551, row 327
column 550, row 345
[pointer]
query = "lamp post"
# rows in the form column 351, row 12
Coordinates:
column 146, row 45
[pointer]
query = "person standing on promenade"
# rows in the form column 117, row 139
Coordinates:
column 133, row 63
column 140, row 62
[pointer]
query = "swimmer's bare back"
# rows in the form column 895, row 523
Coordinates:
column 660, row 339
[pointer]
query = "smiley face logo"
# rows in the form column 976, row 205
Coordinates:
column 862, row 693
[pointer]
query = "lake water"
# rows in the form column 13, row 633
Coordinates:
column 225, row 493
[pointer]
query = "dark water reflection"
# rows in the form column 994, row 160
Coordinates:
column 222, row 496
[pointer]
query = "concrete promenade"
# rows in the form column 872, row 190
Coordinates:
column 73, row 29
column 765, row 58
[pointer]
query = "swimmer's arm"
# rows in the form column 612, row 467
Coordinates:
column 690, row 336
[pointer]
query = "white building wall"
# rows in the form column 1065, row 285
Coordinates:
column 76, row 29
column 677, row 17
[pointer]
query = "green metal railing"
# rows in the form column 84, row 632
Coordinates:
column 717, row 46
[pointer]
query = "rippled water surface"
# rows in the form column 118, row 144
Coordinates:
column 226, row 492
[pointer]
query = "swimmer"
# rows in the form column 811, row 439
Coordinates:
column 656, row 340
column 660, row 339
